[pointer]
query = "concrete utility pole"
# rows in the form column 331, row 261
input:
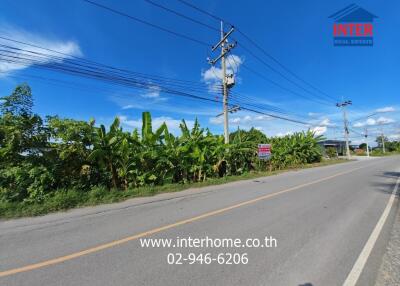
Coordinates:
column 225, row 88
column 383, row 141
column 227, row 82
column 343, row 105
column 366, row 140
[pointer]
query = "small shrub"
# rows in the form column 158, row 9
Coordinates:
column 65, row 199
column 331, row 152
column 98, row 193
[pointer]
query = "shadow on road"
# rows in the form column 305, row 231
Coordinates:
column 306, row 284
column 387, row 187
column 393, row 175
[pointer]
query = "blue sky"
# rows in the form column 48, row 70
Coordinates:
column 298, row 33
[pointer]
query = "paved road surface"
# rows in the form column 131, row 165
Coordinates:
column 321, row 218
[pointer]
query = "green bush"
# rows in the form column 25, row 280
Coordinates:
column 25, row 182
column 65, row 199
column 331, row 152
column 98, row 193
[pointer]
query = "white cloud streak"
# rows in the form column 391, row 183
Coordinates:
column 152, row 92
column 246, row 120
column 173, row 124
column 68, row 48
column 386, row 109
column 373, row 122
column 319, row 130
column 213, row 75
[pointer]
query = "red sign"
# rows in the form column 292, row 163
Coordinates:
column 264, row 151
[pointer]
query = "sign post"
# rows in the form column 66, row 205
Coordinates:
column 264, row 151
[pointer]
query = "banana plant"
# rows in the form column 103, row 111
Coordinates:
column 105, row 149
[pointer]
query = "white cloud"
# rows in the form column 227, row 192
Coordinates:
column 394, row 136
column 152, row 92
column 368, row 122
column 216, row 120
column 67, row 48
column 327, row 123
column 359, row 124
column 233, row 63
column 384, row 120
column 386, row 109
column 213, row 75
column 162, row 103
column 319, row 130
column 235, row 120
column 281, row 134
column 173, row 124
column 372, row 122
column 246, row 120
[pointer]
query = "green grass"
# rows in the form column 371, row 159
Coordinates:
column 379, row 153
column 67, row 199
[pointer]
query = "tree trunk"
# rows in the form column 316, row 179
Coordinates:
column 114, row 175
column 126, row 184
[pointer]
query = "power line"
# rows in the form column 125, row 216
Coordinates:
column 203, row 11
column 243, row 47
column 281, row 74
column 113, row 79
column 259, row 48
column 280, row 86
column 147, row 23
column 97, row 66
column 276, row 116
column 99, row 75
column 320, row 101
column 181, row 15
column 283, row 66
column 366, row 116
column 249, row 99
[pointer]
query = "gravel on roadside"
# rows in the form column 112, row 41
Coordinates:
column 389, row 272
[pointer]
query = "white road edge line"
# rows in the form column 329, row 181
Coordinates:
column 358, row 267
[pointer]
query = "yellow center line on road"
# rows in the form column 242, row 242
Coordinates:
column 166, row 227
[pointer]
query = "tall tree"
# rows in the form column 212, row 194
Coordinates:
column 21, row 131
column 19, row 103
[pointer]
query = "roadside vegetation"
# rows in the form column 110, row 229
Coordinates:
column 391, row 148
column 55, row 164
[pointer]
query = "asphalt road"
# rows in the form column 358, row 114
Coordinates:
column 321, row 218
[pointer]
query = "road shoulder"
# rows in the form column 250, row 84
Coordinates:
column 389, row 271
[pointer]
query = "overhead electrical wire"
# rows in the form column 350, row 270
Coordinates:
column 279, row 85
column 331, row 101
column 253, row 102
column 67, row 57
column 147, row 23
column 326, row 96
column 85, row 72
column 215, row 17
column 319, row 98
column 244, row 100
column 96, row 68
column 181, row 15
column 320, row 101
column 277, row 116
column 283, row 66
column 132, row 82
column 17, row 55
